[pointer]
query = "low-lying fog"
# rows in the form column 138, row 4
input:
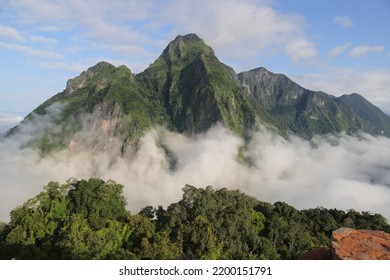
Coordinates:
column 340, row 171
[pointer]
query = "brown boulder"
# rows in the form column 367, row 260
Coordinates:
column 352, row 244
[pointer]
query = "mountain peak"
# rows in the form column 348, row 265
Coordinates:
column 186, row 45
column 100, row 66
column 79, row 81
column 188, row 37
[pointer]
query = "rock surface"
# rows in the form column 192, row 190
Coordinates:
column 352, row 244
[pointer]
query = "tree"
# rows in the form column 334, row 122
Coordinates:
column 97, row 201
column 79, row 219
column 87, row 219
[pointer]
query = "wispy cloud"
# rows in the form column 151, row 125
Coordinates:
column 365, row 49
column 30, row 51
column 253, row 28
column 8, row 120
column 126, row 28
column 101, row 20
column 77, row 68
column 43, row 40
column 10, row 33
column 344, row 21
column 338, row 50
column 300, row 49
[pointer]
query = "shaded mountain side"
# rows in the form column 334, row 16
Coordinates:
column 188, row 90
column 374, row 120
column 306, row 113
column 198, row 90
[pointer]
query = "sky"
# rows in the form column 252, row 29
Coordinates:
column 339, row 47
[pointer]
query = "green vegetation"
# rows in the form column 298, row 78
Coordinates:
column 187, row 89
column 87, row 219
column 307, row 113
column 372, row 118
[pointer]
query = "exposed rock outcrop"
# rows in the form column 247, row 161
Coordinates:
column 352, row 244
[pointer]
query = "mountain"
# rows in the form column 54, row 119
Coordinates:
column 188, row 90
column 106, row 103
column 375, row 121
column 197, row 90
column 306, row 113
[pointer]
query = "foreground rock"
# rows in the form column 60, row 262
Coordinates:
column 352, row 244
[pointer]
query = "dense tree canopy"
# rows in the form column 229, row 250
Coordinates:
column 87, row 219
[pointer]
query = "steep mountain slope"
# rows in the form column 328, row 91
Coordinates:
column 305, row 112
column 188, row 90
column 106, row 103
column 198, row 90
column 374, row 120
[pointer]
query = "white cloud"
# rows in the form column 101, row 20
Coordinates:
column 43, row 40
column 365, row 49
column 102, row 20
column 344, row 21
column 241, row 29
column 128, row 28
column 338, row 50
column 30, row 51
column 58, row 11
column 299, row 49
column 334, row 171
column 77, row 68
column 374, row 84
column 8, row 120
column 10, row 33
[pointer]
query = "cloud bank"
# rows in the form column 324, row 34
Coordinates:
column 339, row 171
column 8, row 120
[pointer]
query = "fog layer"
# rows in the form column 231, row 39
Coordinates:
column 345, row 172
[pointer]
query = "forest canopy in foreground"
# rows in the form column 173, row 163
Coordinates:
column 87, row 219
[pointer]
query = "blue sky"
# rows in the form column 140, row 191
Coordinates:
column 335, row 46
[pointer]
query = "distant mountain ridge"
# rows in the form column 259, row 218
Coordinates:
column 306, row 113
column 188, row 90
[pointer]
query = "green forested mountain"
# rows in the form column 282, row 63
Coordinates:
column 87, row 219
column 306, row 113
column 188, row 90
column 373, row 119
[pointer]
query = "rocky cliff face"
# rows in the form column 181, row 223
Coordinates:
column 352, row 244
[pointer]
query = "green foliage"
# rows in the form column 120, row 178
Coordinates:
column 187, row 89
column 78, row 220
column 97, row 201
column 307, row 113
column 87, row 219
column 215, row 224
